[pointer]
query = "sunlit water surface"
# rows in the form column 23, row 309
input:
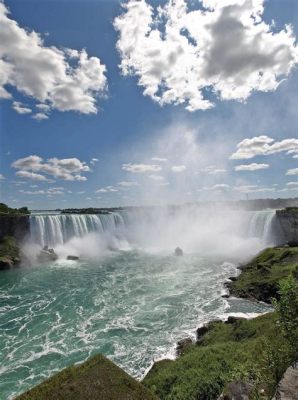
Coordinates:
column 132, row 307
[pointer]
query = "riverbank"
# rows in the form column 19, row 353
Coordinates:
column 236, row 356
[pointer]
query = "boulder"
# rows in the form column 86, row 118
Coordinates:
column 6, row 263
column 233, row 320
column 183, row 345
column 73, row 258
column 288, row 386
column 237, row 390
column 47, row 255
column 202, row 330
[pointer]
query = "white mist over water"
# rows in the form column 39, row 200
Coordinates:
column 161, row 229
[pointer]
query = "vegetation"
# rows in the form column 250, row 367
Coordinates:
column 98, row 378
column 9, row 250
column 260, row 278
column 7, row 211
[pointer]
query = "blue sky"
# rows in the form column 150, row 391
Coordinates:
column 146, row 149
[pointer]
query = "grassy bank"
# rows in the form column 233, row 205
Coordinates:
column 260, row 278
column 98, row 378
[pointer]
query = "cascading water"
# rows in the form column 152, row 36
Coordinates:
column 191, row 228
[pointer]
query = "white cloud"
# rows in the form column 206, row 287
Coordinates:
column 68, row 80
column 251, row 167
column 94, row 161
column 107, row 189
column 40, row 116
column 1, row 177
column 141, row 168
column 246, row 188
column 213, row 170
column 159, row 159
column 293, row 171
column 21, row 108
column 50, row 191
column 263, row 145
column 31, row 175
column 178, row 168
column 128, row 183
column 223, row 187
column 157, row 178
column 69, row 169
column 292, row 184
column 178, row 53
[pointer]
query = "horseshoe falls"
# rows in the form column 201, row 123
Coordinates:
column 128, row 296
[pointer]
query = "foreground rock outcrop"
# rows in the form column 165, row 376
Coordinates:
column 288, row 386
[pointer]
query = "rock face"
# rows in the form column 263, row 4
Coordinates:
column 287, row 225
column 183, row 345
column 237, row 390
column 288, row 386
column 16, row 226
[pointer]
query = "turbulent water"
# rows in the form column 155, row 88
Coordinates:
column 128, row 297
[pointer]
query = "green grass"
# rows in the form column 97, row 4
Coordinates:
column 260, row 278
column 96, row 379
column 227, row 352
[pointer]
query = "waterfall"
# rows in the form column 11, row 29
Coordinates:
column 192, row 228
column 56, row 229
column 261, row 226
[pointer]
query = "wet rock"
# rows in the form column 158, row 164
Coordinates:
column 6, row 263
column 202, row 330
column 233, row 320
column 183, row 345
column 233, row 278
column 47, row 255
column 225, row 296
column 178, row 251
column 73, row 258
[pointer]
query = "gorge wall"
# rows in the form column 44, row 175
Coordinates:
column 287, row 225
column 17, row 226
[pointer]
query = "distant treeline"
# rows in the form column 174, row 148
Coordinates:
column 4, row 209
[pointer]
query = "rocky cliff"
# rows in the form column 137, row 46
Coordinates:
column 14, row 225
column 287, row 220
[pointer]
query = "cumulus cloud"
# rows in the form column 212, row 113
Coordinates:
column 178, row 168
column 21, row 108
column 65, row 79
column 159, row 159
column 107, row 189
column 263, row 145
column 50, row 192
column 68, row 169
column 128, row 183
column 141, row 168
column 40, row 116
column 32, row 175
column 225, row 46
column 251, row 167
column 1, row 177
column 94, row 161
column 292, row 184
column 293, row 171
